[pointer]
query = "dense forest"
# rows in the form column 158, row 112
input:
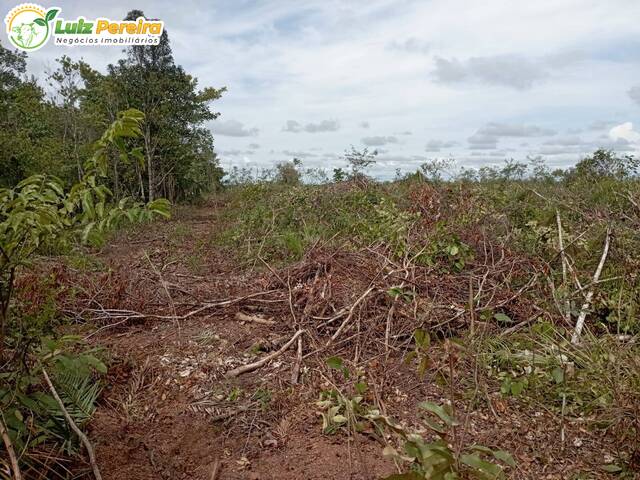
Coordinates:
column 164, row 319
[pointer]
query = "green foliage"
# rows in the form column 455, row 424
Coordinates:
column 587, row 380
column 420, row 354
column 37, row 213
column 30, row 412
column 359, row 160
column 344, row 410
column 438, row 459
column 434, row 169
column 339, row 175
column 38, row 210
column 605, row 164
column 288, row 173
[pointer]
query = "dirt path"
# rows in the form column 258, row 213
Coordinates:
column 167, row 412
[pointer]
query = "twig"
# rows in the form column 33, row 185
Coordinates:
column 295, row 372
column 255, row 365
column 215, row 469
column 524, row 323
column 74, row 427
column 587, row 302
column 133, row 315
column 232, row 413
column 105, row 327
column 472, row 309
column 12, row 453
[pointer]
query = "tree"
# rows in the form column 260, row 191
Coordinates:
column 606, row 164
column 359, row 160
column 28, row 142
column 434, row 168
column 339, row 175
column 175, row 144
column 288, row 173
column 67, row 86
column 13, row 66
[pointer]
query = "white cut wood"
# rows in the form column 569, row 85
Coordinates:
column 575, row 339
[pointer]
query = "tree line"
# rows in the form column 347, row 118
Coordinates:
column 52, row 125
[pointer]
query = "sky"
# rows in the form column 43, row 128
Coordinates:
column 478, row 81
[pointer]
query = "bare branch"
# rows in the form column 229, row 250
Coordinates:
column 587, row 302
column 255, row 365
column 10, row 450
column 83, row 438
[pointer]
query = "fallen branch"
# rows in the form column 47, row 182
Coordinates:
column 243, row 317
column 215, row 470
column 74, row 427
column 351, row 311
column 255, row 365
column 102, row 313
column 587, row 302
column 563, row 259
column 12, row 453
column 295, row 372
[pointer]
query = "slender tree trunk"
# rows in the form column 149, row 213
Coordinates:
column 5, row 304
column 150, row 166
column 116, row 180
column 140, row 180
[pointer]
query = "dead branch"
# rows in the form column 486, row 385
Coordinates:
column 10, row 450
column 295, row 372
column 215, row 470
column 351, row 311
column 563, row 259
column 74, row 427
column 102, row 313
column 243, row 317
column 587, row 302
column 472, row 309
column 255, row 365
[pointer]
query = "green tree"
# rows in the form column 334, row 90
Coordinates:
column 359, row 160
column 177, row 147
column 288, row 173
column 606, row 164
column 75, row 127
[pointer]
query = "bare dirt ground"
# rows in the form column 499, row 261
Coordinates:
column 168, row 412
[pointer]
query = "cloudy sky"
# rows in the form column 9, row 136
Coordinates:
column 480, row 81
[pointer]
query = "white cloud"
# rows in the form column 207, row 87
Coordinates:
column 232, row 128
column 324, row 126
column 514, row 130
column 437, row 145
column 513, row 71
column 378, row 141
column 625, row 131
column 634, row 93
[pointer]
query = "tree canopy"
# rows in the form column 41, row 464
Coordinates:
column 53, row 126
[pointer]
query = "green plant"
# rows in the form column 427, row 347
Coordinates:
column 420, row 353
column 341, row 410
column 439, row 459
column 39, row 213
column 31, row 414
